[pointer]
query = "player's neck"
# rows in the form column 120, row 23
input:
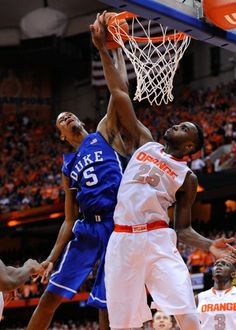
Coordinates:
column 79, row 139
column 172, row 151
column 222, row 285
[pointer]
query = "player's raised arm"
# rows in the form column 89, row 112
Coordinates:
column 118, row 88
column 110, row 126
column 120, row 65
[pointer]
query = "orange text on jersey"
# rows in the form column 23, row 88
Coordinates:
column 218, row 307
column 142, row 156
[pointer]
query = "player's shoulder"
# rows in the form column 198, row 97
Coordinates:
column 192, row 177
column 234, row 290
column 205, row 294
column 146, row 148
column 190, row 183
column 151, row 144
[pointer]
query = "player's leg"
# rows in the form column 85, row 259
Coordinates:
column 103, row 319
column 124, row 279
column 44, row 312
column 188, row 321
column 67, row 278
column 168, row 279
column 97, row 296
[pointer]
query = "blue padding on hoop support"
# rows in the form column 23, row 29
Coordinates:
column 179, row 20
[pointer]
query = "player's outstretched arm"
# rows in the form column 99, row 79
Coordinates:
column 120, row 65
column 117, row 86
column 65, row 233
column 110, row 126
column 182, row 218
column 11, row 277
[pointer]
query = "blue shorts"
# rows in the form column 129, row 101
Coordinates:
column 78, row 260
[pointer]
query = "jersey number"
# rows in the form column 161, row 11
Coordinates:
column 147, row 174
column 220, row 322
column 90, row 176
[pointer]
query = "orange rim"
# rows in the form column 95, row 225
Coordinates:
column 128, row 15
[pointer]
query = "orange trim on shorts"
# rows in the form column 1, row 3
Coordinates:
column 141, row 228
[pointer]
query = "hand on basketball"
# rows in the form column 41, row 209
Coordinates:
column 221, row 248
column 98, row 31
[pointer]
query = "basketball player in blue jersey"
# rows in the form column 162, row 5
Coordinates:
column 142, row 248
column 91, row 177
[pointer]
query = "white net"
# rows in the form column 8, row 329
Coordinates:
column 155, row 63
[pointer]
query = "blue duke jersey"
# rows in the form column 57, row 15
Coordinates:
column 95, row 170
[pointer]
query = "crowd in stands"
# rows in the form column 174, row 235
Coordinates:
column 74, row 326
column 29, row 172
column 215, row 111
column 31, row 154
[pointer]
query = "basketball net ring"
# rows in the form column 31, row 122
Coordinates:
column 155, row 58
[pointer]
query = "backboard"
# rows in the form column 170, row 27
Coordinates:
column 183, row 15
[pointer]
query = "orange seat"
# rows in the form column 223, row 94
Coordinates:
column 221, row 12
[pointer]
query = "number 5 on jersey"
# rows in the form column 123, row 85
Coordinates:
column 91, row 178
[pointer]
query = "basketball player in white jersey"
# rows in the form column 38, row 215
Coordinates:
column 142, row 249
column 217, row 306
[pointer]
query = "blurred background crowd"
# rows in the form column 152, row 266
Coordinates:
column 30, row 175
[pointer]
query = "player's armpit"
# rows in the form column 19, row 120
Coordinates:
column 185, row 198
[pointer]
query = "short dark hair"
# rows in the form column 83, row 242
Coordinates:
column 200, row 138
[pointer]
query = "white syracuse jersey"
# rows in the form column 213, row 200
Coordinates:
column 149, row 185
column 1, row 305
column 217, row 309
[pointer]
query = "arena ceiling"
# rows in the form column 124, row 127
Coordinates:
column 13, row 10
column 80, row 13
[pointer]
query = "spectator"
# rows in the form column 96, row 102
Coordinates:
column 195, row 261
column 215, row 305
column 162, row 321
column 197, row 163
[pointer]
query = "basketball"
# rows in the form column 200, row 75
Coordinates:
column 123, row 25
column 221, row 13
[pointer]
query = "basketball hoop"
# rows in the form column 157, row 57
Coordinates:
column 155, row 58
